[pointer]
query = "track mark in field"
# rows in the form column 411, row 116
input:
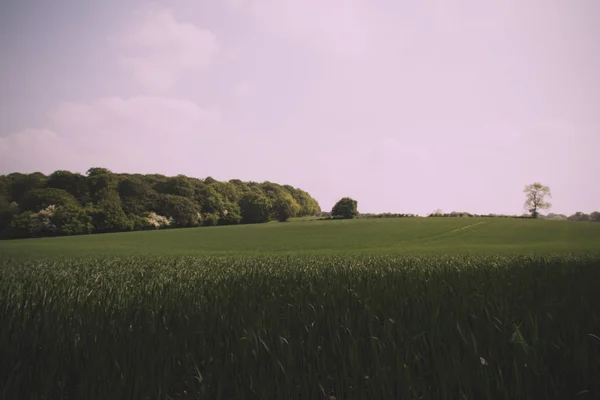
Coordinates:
column 446, row 234
column 465, row 227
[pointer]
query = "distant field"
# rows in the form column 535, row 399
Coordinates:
column 370, row 236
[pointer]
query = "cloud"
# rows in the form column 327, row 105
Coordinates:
column 126, row 134
column 32, row 150
column 336, row 27
column 159, row 48
column 243, row 89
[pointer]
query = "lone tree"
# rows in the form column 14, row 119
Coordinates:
column 346, row 208
column 536, row 193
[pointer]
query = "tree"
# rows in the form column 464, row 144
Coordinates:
column 71, row 220
column 67, row 203
column 20, row 184
column 179, row 185
column 209, row 180
column 75, row 184
column 536, row 194
column 209, row 200
column 38, row 199
column 7, row 212
column 41, row 223
column 308, row 205
column 595, row 216
column 137, row 195
column 232, row 215
column 182, row 210
column 19, row 227
column 108, row 216
column 102, row 183
column 285, row 207
column 346, row 208
column 255, row 208
column 556, row 217
column 579, row 216
column 228, row 191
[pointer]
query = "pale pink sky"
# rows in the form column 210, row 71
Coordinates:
column 407, row 106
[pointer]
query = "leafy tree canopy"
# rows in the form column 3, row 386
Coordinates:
column 104, row 201
column 346, row 208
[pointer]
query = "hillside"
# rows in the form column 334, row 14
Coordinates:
column 368, row 236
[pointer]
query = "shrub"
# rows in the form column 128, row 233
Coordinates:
column 346, row 208
column 72, row 220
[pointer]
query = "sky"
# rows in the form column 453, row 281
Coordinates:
column 405, row 106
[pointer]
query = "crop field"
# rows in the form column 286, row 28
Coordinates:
column 416, row 236
column 438, row 308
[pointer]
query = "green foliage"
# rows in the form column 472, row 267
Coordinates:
column 108, row 216
column 285, row 207
column 137, row 195
column 38, row 199
column 72, row 220
column 209, row 200
column 232, row 215
column 102, row 184
column 595, row 216
column 19, row 226
column 346, row 208
column 40, row 223
column 75, row 184
column 209, row 180
column 183, row 211
column 579, row 216
column 20, row 184
column 255, row 208
column 210, row 219
column 228, row 191
column 4, row 184
column 308, row 205
column 300, row 327
column 536, row 194
column 141, row 223
column 120, row 202
column 7, row 211
column 177, row 186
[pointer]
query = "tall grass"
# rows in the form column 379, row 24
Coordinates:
column 301, row 327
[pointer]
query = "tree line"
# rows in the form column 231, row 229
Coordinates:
column 535, row 200
column 67, row 203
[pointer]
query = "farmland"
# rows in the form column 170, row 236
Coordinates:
column 417, row 236
column 412, row 308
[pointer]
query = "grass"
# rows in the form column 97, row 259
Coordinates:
column 368, row 309
column 410, row 236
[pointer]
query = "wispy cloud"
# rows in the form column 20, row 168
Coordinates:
column 159, row 48
column 335, row 27
column 124, row 133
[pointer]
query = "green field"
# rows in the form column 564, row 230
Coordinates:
column 368, row 236
column 420, row 308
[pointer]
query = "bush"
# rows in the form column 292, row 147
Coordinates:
column 72, row 220
column 19, row 227
column 285, row 207
column 346, row 208
column 255, row 208
column 108, row 216
column 231, row 215
column 39, row 199
column 210, row 219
